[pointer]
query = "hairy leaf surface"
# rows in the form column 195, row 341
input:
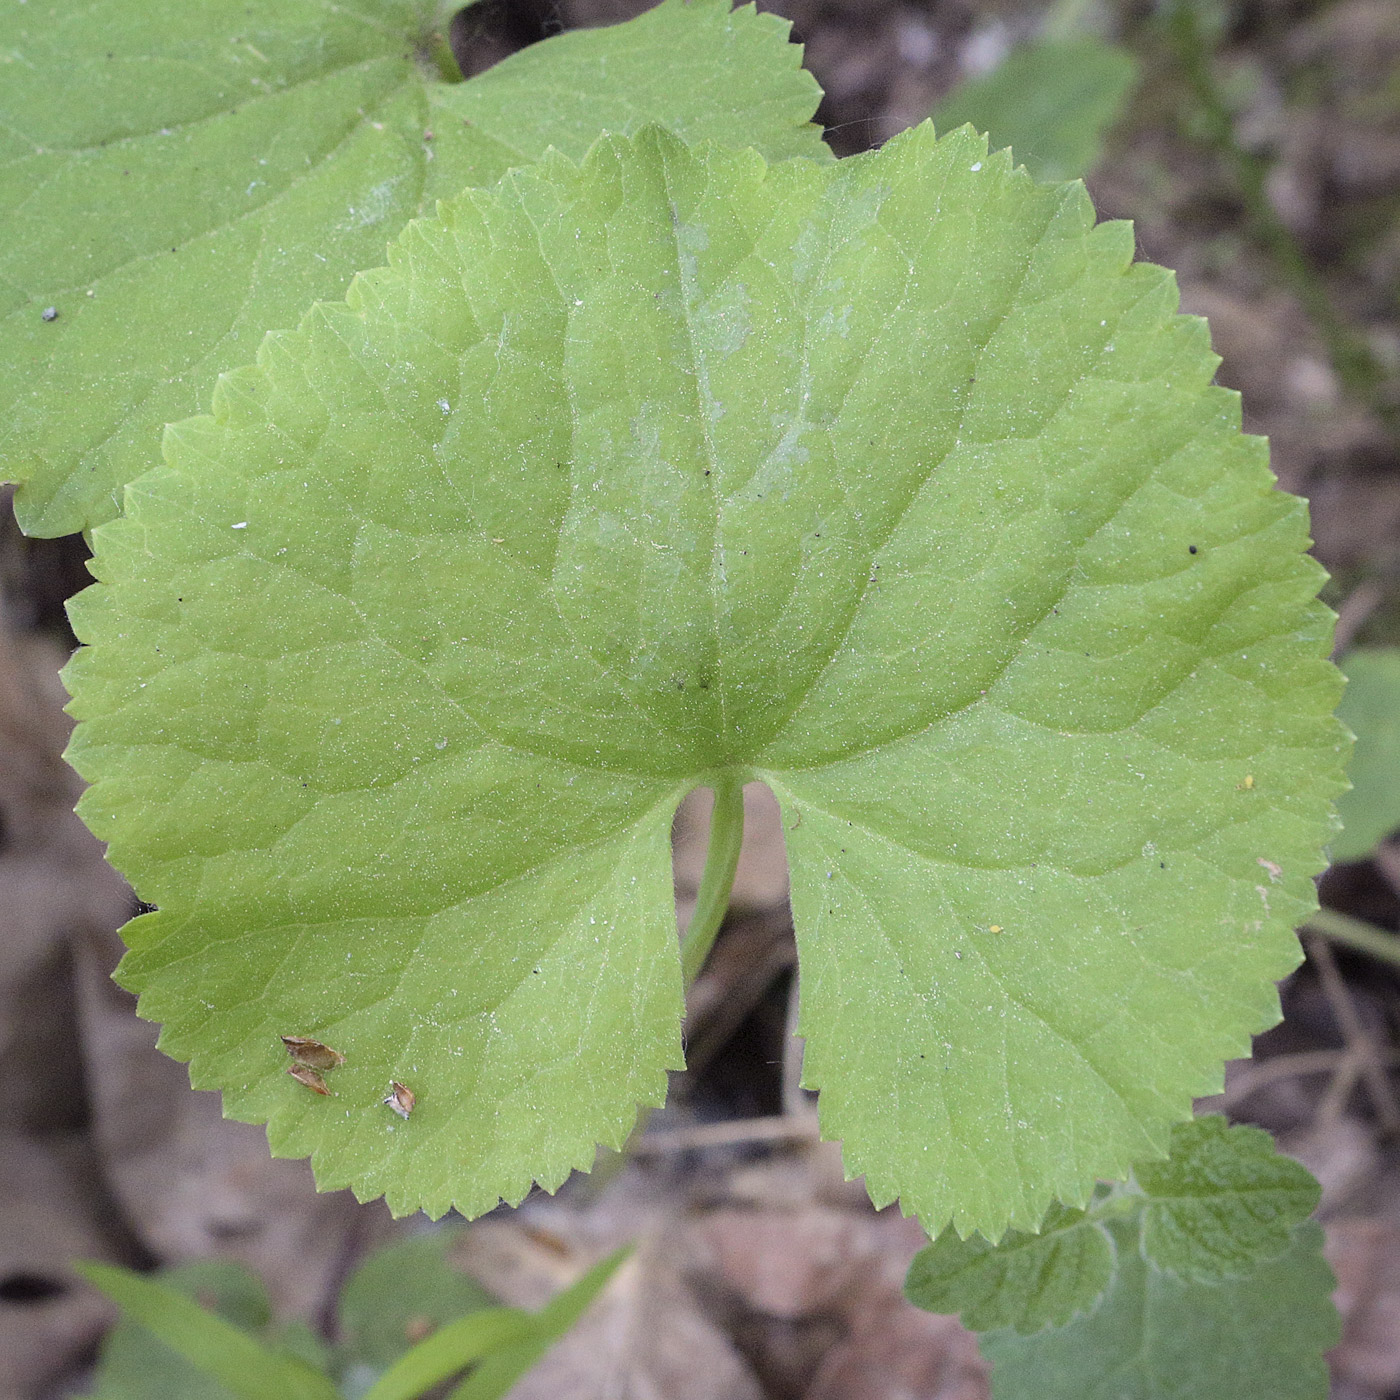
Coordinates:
column 1025, row 1281
column 234, row 160
column 892, row 483
column 1223, row 1203
column 1155, row 1336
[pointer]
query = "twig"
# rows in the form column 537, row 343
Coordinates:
column 1355, row 933
column 1256, row 1075
column 1366, row 1053
column 1353, row 611
column 797, row 1128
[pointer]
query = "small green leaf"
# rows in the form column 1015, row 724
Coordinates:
column 448, row 1350
column 235, row 1359
column 499, row 1371
column 409, row 1281
column 1158, row 1337
column 892, row 483
column 234, row 160
column 1025, row 1281
column 1051, row 101
column 1371, row 709
column 1224, row 1201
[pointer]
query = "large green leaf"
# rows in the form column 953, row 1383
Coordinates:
column 229, row 162
column 1371, row 707
column 1157, row 1337
column 1223, row 1203
column 891, row 483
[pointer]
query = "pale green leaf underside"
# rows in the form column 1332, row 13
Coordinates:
column 1371, row 709
column 875, row 481
column 231, row 161
column 1224, row 1202
column 1051, row 101
column 1157, row 1337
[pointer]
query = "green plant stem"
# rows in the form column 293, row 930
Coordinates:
column 1358, row 368
column 711, row 905
column 440, row 56
column 1355, row 933
column 721, row 861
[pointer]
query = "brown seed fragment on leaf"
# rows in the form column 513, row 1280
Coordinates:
column 400, row 1098
column 312, row 1053
column 304, row 1074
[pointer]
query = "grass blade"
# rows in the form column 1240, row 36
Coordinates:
column 228, row 1353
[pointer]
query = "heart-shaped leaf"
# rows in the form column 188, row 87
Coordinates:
column 892, row 483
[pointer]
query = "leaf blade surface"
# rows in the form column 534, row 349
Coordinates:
column 892, row 483
column 233, row 162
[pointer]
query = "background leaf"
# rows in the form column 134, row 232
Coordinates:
column 448, row 1350
column 136, row 1365
column 1052, row 101
column 1220, row 1209
column 408, row 1283
column 500, row 1371
column 233, row 161
column 1154, row 1336
column 1224, row 1200
column 1026, row 1281
column 241, row 1363
column 892, row 483
column 1371, row 709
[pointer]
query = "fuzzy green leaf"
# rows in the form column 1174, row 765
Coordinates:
column 892, row 483
column 1157, row 1337
column 1051, row 101
column 1224, row 1201
column 1371, row 709
column 234, row 160
column 1025, row 1281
